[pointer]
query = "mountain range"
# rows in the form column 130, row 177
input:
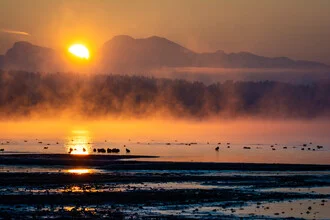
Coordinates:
column 124, row 54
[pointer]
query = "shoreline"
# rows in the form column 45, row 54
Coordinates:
column 128, row 162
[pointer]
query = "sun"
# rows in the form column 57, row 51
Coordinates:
column 79, row 50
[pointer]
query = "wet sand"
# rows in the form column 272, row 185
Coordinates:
column 65, row 159
column 128, row 162
column 118, row 187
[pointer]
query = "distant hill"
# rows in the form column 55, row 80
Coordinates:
column 28, row 57
column 126, row 55
column 249, row 60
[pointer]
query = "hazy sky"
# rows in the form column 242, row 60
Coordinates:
column 296, row 28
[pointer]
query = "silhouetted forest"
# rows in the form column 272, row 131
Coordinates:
column 23, row 94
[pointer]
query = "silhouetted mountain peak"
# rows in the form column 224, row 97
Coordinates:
column 120, row 38
column 25, row 45
column 150, row 42
column 26, row 56
column 22, row 44
column 125, row 54
column 160, row 40
column 24, row 48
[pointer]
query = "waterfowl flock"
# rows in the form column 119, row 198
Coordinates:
column 303, row 147
column 108, row 150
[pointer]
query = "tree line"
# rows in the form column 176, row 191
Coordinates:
column 25, row 93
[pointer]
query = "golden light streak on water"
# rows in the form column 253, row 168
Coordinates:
column 79, row 171
column 79, row 143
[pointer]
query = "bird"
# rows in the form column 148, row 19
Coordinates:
column 115, row 150
column 217, row 148
column 128, row 150
column 101, row 150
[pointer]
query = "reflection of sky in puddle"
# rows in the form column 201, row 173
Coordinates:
column 310, row 190
column 109, row 187
column 300, row 209
column 28, row 169
column 140, row 187
column 171, row 185
column 226, row 172
column 229, row 173
column 305, row 208
column 46, row 169
column 79, row 209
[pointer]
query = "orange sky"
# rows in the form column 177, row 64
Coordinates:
column 297, row 28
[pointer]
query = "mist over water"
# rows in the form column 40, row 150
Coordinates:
column 210, row 75
column 237, row 130
column 148, row 113
column 37, row 95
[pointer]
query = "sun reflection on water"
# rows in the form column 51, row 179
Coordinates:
column 79, row 143
column 79, row 171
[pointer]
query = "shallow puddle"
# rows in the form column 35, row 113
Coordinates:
column 310, row 190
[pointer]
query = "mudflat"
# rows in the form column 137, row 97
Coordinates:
column 118, row 187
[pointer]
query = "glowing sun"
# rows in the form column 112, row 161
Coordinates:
column 79, row 50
